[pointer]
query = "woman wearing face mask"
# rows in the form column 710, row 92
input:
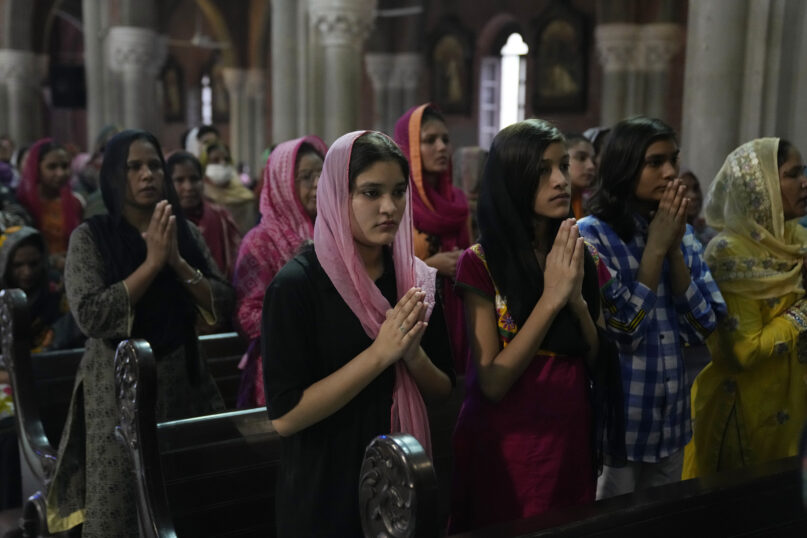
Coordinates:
column 142, row 271
column 750, row 402
column 523, row 440
column 347, row 341
column 44, row 191
column 223, row 187
column 288, row 208
column 440, row 211
column 217, row 226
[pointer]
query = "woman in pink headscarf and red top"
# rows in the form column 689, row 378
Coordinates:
column 288, row 203
column 441, row 217
column 45, row 193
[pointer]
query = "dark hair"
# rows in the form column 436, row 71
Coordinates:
column 182, row 157
column 370, row 148
column 46, row 148
column 573, row 139
column 218, row 145
column 620, row 168
column 306, row 149
column 782, row 151
column 506, row 211
column 204, row 129
column 430, row 113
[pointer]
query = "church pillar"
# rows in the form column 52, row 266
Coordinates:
column 379, row 69
column 342, row 26
column 256, row 93
column 285, row 89
column 713, row 81
column 235, row 80
column 21, row 73
column 137, row 54
column 617, row 47
column 660, row 43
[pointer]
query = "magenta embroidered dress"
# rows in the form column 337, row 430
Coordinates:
column 532, row 450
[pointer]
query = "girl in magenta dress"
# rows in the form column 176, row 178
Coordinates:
column 525, row 438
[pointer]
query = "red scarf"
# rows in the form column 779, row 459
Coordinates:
column 28, row 194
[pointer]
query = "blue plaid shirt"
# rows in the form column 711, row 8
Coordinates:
column 649, row 329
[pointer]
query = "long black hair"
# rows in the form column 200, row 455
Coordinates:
column 621, row 165
column 507, row 229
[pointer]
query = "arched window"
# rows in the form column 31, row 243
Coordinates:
column 502, row 88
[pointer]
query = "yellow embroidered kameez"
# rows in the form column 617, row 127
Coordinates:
column 750, row 403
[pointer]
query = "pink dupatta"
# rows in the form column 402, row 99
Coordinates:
column 336, row 252
column 284, row 226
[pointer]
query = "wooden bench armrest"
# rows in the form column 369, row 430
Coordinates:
column 15, row 320
column 398, row 489
column 136, row 390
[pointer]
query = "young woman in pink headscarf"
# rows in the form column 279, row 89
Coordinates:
column 44, row 192
column 440, row 211
column 288, row 206
column 352, row 339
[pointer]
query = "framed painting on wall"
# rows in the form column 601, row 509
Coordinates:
column 560, row 59
column 451, row 68
column 173, row 91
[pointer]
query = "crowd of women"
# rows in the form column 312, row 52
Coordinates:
column 367, row 289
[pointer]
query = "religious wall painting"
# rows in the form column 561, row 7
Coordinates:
column 560, row 59
column 173, row 91
column 451, row 68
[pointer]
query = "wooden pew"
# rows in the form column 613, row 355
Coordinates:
column 223, row 352
column 397, row 497
column 203, row 476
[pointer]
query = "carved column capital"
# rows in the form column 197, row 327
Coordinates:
column 407, row 67
column 660, row 43
column 379, row 68
column 133, row 49
column 22, row 67
column 345, row 23
column 618, row 46
column 255, row 82
column 234, row 79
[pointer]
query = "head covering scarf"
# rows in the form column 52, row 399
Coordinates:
column 440, row 210
column 28, row 193
column 757, row 253
column 283, row 227
column 284, row 222
column 336, row 252
column 166, row 313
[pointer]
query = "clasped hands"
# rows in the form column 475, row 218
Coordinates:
column 400, row 334
column 162, row 246
column 667, row 227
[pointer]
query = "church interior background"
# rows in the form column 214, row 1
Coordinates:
column 719, row 71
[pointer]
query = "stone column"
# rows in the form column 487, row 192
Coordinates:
column 93, row 69
column 404, row 82
column 137, row 55
column 256, row 92
column 408, row 67
column 379, row 68
column 617, row 47
column 342, row 26
column 660, row 43
column 235, row 80
column 303, row 61
column 713, row 80
column 285, row 94
column 21, row 72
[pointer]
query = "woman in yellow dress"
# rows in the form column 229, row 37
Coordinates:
column 750, row 402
